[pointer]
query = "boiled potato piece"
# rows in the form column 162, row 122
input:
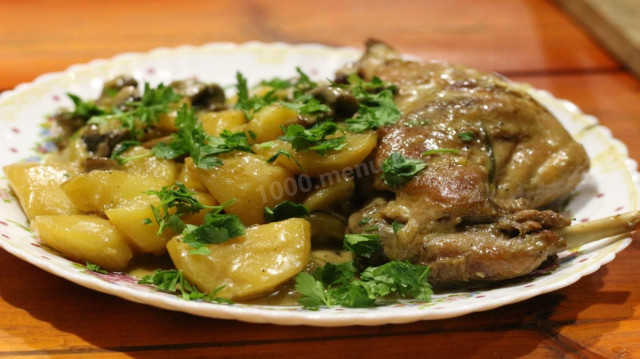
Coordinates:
column 214, row 123
column 136, row 221
column 266, row 123
column 252, row 182
column 198, row 218
column 358, row 147
column 324, row 198
column 37, row 187
column 148, row 165
column 84, row 238
column 189, row 176
column 130, row 218
column 99, row 190
column 249, row 265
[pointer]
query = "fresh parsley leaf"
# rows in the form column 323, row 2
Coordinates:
column 251, row 104
column 306, row 104
column 364, row 220
column 340, row 284
column 398, row 170
column 312, row 291
column 440, row 150
column 364, row 245
column 314, row 138
column 466, row 136
column 396, row 226
column 84, row 109
column 95, row 268
column 283, row 152
column 173, row 281
column 192, row 140
column 144, row 113
column 121, row 148
column 377, row 108
column 402, row 277
column 175, row 201
column 303, row 82
column 217, row 228
column 285, row 210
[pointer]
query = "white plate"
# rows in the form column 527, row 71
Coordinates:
column 609, row 188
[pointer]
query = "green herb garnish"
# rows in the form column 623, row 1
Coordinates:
column 440, row 150
column 285, row 210
column 398, row 170
column 466, row 136
column 121, row 148
column 173, row 281
column 192, row 140
column 95, row 268
column 84, row 109
column 339, row 285
column 396, row 226
column 143, row 113
column 314, row 138
column 377, row 107
column 364, row 245
column 175, row 201
column 217, row 228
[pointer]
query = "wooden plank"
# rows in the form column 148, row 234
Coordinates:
column 44, row 36
column 616, row 24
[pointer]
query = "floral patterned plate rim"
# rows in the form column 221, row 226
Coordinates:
column 611, row 186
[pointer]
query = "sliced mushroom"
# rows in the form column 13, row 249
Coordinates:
column 209, row 97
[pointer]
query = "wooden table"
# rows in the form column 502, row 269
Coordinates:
column 531, row 41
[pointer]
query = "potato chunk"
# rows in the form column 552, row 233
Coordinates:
column 84, row 238
column 249, row 265
column 147, row 165
column 266, row 123
column 214, row 123
column 189, row 176
column 37, row 187
column 136, row 221
column 131, row 218
column 252, row 182
column 358, row 147
column 99, row 190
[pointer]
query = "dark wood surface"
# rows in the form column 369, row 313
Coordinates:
column 532, row 41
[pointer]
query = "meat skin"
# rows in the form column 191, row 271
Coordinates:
column 470, row 215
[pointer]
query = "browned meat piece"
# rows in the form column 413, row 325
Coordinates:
column 470, row 213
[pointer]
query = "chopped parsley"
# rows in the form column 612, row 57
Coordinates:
column 84, row 109
column 143, row 113
column 192, row 140
column 364, row 245
column 440, row 150
column 396, row 226
column 217, row 228
column 121, row 148
column 340, row 285
column 287, row 154
column 314, row 138
column 285, row 210
column 175, row 201
column 398, row 170
column 173, row 281
column 298, row 99
column 377, row 107
column 466, row 136
column 95, row 268
column 306, row 104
